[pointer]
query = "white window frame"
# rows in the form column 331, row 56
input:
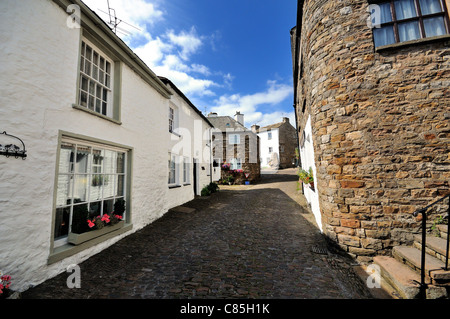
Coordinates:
column 234, row 139
column 95, row 89
column 236, row 163
column 186, row 171
column 174, row 168
column 270, row 150
column 269, row 135
column 171, row 119
column 92, row 171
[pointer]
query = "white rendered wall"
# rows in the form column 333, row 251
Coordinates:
column 38, row 85
column 190, row 139
column 265, row 143
column 307, row 161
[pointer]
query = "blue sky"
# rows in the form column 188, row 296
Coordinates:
column 226, row 56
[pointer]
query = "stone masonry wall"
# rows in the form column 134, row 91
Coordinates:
column 248, row 153
column 381, row 126
column 288, row 142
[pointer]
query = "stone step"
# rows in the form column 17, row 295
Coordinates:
column 411, row 256
column 443, row 229
column 435, row 246
column 399, row 276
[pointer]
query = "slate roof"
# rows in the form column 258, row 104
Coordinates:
column 227, row 122
column 270, row 127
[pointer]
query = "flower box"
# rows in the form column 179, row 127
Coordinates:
column 77, row 239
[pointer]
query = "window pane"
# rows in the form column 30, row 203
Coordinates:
column 91, row 104
column 381, row 13
column 97, row 161
column 385, row 12
column 120, row 162
column 405, row 9
column 95, row 60
column 409, row 31
column 79, row 218
column 88, row 53
column 98, row 105
column 108, row 186
column 62, row 218
column 108, row 207
column 108, row 81
column 66, row 158
column 80, row 188
column 87, row 68
column 101, row 77
column 109, row 162
column 84, row 83
column 102, row 63
column 83, row 99
column 430, row 6
column 82, row 64
column 120, row 185
column 434, row 26
column 64, row 190
column 95, row 208
column 83, row 153
column 95, row 72
column 120, row 207
column 92, row 87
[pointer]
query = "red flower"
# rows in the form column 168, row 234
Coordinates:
column 90, row 223
column 105, row 218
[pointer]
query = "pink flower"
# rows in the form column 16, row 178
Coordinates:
column 90, row 224
column 105, row 218
column 118, row 217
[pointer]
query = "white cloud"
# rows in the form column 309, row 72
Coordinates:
column 189, row 42
column 250, row 104
column 170, row 53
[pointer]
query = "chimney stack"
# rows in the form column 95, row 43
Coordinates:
column 212, row 114
column 255, row 128
column 239, row 118
column 285, row 120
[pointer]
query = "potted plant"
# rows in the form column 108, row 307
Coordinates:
column 86, row 227
column 307, row 177
column 5, row 283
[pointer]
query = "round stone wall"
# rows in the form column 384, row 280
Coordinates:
column 381, row 126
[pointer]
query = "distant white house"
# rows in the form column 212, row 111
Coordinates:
column 278, row 143
column 99, row 127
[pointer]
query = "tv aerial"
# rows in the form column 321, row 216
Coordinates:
column 114, row 22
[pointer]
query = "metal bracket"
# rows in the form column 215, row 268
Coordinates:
column 12, row 149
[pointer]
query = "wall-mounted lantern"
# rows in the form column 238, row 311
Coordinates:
column 9, row 149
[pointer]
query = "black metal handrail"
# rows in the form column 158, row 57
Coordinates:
column 423, row 212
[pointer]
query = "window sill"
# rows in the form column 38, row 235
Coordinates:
column 174, row 186
column 186, row 184
column 176, row 134
column 68, row 250
column 412, row 43
column 81, row 108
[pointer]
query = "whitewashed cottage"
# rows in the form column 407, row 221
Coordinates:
column 98, row 128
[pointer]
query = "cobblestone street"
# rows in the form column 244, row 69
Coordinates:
column 243, row 242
